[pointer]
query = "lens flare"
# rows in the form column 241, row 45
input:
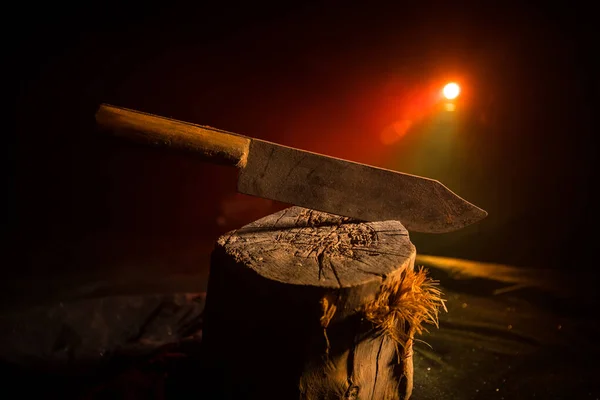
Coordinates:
column 450, row 107
column 451, row 91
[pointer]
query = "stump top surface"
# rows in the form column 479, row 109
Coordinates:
column 307, row 247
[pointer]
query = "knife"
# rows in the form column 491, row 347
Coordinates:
column 304, row 178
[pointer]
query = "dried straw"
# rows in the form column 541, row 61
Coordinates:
column 405, row 304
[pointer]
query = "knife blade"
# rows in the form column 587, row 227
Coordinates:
column 304, row 178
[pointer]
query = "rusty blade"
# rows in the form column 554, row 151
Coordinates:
column 354, row 190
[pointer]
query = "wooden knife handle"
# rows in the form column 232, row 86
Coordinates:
column 220, row 146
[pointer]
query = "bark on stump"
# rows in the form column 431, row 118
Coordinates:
column 285, row 312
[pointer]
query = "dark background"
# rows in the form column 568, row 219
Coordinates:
column 327, row 77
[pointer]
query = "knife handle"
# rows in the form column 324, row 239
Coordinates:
column 219, row 146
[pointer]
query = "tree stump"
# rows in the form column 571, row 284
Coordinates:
column 310, row 305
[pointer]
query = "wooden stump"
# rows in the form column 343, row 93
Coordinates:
column 287, row 312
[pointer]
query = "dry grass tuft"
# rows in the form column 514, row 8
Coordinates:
column 405, row 304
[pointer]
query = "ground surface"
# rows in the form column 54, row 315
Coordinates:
column 497, row 341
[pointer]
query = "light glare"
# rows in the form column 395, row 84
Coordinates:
column 451, row 91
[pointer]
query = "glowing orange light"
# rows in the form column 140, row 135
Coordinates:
column 450, row 107
column 451, row 91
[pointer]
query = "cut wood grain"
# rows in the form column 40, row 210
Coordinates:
column 285, row 307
